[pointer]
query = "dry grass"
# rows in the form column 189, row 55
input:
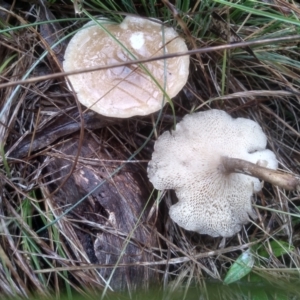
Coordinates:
column 41, row 249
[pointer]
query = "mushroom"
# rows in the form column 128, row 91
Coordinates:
column 211, row 199
column 129, row 90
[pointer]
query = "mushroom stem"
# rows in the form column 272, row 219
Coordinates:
column 284, row 180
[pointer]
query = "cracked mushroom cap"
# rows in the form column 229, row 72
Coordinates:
column 188, row 160
column 126, row 91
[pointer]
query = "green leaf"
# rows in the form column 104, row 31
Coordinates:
column 240, row 268
column 259, row 295
column 278, row 248
column 281, row 296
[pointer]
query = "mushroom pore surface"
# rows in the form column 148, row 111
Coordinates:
column 128, row 90
column 188, row 160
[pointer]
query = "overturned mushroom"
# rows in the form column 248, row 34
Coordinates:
column 128, row 90
column 211, row 199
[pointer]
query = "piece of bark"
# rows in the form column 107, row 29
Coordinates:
column 118, row 205
column 61, row 126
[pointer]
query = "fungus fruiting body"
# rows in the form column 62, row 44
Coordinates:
column 130, row 90
column 189, row 160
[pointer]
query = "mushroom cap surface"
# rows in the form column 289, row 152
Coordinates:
column 188, row 160
column 128, row 90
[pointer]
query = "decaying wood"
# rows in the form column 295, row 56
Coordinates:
column 123, row 234
column 66, row 123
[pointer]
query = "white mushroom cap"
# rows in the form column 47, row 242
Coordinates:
column 188, row 160
column 126, row 91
